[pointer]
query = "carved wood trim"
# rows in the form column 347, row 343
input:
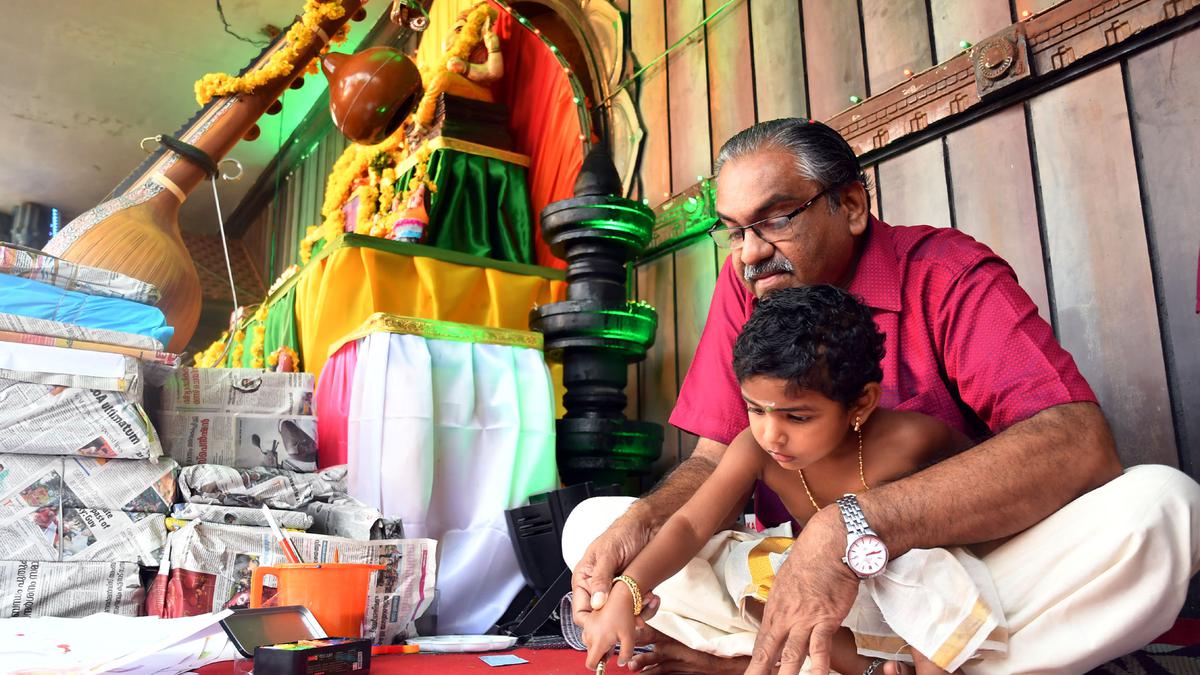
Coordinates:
column 1050, row 41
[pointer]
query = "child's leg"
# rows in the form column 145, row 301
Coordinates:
column 844, row 654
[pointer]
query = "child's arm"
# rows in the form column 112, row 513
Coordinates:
column 677, row 542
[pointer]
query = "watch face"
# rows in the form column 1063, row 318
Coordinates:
column 867, row 556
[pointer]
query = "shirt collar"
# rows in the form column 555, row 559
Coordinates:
column 877, row 275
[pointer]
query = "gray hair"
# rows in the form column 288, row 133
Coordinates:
column 820, row 153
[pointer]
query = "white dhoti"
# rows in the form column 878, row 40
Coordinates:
column 1101, row 577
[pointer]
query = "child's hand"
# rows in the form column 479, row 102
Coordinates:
column 610, row 624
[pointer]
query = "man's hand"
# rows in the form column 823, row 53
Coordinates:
column 812, row 594
column 607, row 557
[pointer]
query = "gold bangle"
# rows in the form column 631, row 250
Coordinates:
column 633, row 590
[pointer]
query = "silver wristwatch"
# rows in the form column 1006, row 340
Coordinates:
column 866, row 554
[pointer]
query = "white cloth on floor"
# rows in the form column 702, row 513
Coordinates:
column 1100, row 578
column 446, row 436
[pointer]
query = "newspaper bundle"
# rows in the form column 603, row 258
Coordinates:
column 47, row 533
column 31, row 325
column 43, row 419
column 240, row 440
column 40, row 266
column 276, row 488
column 76, row 368
column 76, row 589
column 347, row 517
column 239, row 390
column 242, row 515
column 85, row 482
column 207, row 567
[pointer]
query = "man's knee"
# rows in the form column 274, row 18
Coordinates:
column 587, row 522
column 1161, row 503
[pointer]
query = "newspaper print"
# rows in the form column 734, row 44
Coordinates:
column 76, row 589
column 242, row 515
column 69, row 343
column 84, row 482
column 348, row 517
column 254, row 487
column 127, row 378
column 64, row 535
column 240, row 440
column 40, row 266
column 207, row 567
column 38, row 419
column 30, row 325
column 232, row 390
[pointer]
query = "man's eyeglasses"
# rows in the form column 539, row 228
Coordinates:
column 770, row 230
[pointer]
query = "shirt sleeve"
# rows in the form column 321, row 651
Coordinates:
column 1002, row 356
column 710, row 402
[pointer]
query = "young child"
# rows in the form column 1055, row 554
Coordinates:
column 808, row 362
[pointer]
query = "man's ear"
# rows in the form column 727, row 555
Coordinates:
column 866, row 403
column 857, row 207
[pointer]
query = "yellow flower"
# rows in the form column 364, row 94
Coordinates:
column 301, row 35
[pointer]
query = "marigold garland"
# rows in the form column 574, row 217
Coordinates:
column 213, row 353
column 273, row 359
column 299, row 38
column 357, row 159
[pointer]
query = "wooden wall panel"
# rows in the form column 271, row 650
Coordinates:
column 691, row 153
column 833, row 56
column 1100, row 264
column 695, row 279
column 659, row 385
column 897, row 37
column 955, row 21
column 994, row 197
column 912, row 187
column 730, row 74
column 778, row 59
column 648, row 35
column 1164, row 88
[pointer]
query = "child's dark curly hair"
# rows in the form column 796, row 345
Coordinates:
column 819, row 338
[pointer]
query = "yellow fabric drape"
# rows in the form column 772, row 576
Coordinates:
column 348, row 283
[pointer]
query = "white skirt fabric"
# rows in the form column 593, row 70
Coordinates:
column 446, row 436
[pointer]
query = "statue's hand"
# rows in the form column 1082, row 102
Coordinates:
column 457, row 65
column 490, row 39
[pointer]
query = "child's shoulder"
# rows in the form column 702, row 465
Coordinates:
column 916, row 435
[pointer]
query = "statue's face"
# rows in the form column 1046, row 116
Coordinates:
column 449, row 41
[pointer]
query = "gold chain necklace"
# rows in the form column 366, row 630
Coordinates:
column 861, row 476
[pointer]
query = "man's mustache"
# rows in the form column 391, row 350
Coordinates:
column 776, row 265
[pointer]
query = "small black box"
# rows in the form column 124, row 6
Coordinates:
column 289, row 641
column 314, row 657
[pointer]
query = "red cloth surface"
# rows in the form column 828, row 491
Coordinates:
column 541, row 662
column 960, row 335
column 332, row 402
column 543, row 120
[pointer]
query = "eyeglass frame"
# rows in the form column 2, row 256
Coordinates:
column 788, row 217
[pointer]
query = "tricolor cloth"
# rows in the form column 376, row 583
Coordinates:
column 445, row 426
column 940, row 602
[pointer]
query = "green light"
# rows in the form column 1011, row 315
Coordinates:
column 963, row 44
column 855, row 100
column 554, row 49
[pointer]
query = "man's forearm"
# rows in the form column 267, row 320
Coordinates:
column 673, row 491
column 1000, row 487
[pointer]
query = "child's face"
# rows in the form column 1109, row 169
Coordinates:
column 795, row 430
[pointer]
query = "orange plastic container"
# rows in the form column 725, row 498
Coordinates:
column 335, row 593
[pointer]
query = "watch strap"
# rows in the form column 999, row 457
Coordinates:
column 853, row 516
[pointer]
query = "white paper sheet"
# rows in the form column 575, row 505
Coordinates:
column 104, row 643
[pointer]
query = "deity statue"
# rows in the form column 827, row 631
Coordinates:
column 485, row 64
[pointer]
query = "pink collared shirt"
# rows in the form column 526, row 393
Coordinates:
column 964, row 343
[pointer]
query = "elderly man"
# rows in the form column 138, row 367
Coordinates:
column 1089, row 562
